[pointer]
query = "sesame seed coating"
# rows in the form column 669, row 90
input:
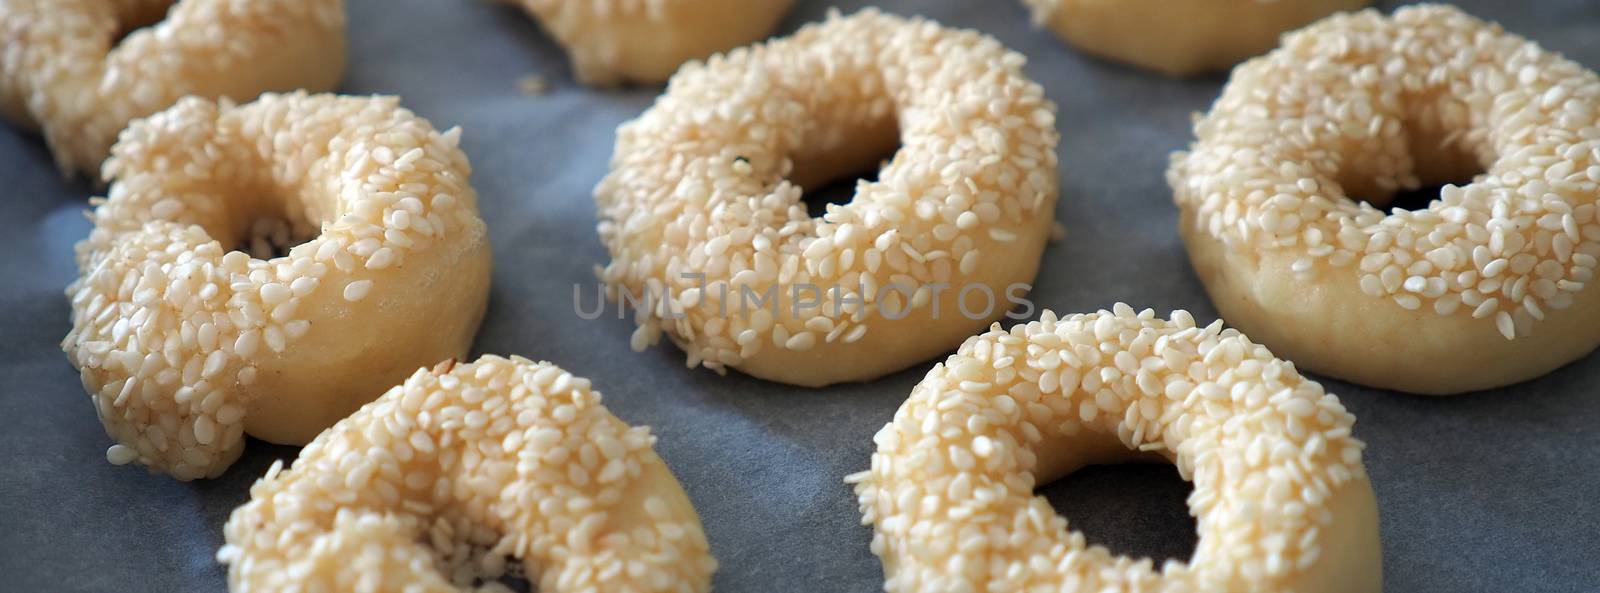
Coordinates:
column 185, row 345
column 66, row 73
column 1363, row 106
column 443, row 481
column 1179, row 38
column 702, row 209
column 1280, row 493
column 615, row 41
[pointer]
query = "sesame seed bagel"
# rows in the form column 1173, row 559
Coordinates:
column 440, row 482
column 1180, row 37
column 616, row 41
column 66, row 70
column 1484, row 287
column 703, row 214
column 185, row 345
column 1281, row 499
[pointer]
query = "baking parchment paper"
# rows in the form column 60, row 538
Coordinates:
column 1493, row 492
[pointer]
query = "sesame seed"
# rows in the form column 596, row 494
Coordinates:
column 273, row 293
column 1503, row 322
column 381, row 259
column 357, row 290
column 121, row 454
column 801, row 342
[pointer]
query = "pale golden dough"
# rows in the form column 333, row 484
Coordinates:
column 644, row 41
column 710, row 180
column 460, row 473
column 64, row 71
column 1485, row 287
column 1180, row 37
column 1281, row 496
column 1330, row 326
column 185, row 346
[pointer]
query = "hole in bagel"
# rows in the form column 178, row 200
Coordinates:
column 829, row 171
column 839, row 190
column 265, row 227
column 513, row 580
column 1139, row 510
column 1438, row 158
column 1412, row 198
column 269, row 237
column 1135, row 503
column 1419, row 198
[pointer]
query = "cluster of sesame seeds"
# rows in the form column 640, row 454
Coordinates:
column 1364, row 105
column 697, row 208
column 169, row 325
column 64, row 70
column 951, row 488
column 449, row 479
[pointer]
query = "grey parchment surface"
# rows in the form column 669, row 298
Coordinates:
column 1493, row 492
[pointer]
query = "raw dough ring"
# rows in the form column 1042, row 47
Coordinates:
column 1180, row 37
column 709, row 180
column 615, row 41
column 185, row 345
column 444, row 479
column 63, row 69
column 1281, row 499
column 1484, row 288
